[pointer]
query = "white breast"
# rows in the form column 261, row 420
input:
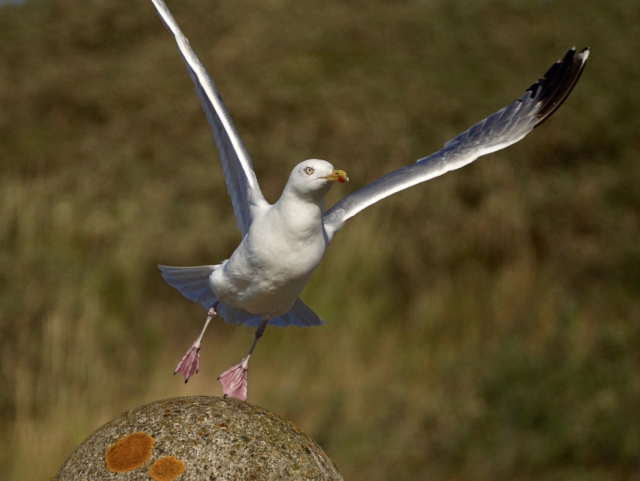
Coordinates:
column 272, row 265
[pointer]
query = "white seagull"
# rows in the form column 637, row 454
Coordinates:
column 283, row 243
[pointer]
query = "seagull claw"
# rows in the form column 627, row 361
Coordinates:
column 234, row 380
column 190, row 362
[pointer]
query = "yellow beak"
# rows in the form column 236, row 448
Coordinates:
column 337, row 176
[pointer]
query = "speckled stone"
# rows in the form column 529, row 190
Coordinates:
column 215, row 438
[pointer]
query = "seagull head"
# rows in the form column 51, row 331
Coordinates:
column 313, row 178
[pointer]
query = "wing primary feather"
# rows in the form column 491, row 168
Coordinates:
column 237, row 166
column 558, row 82
column 503, row 128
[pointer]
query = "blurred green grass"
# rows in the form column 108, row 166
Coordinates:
column 482, row 326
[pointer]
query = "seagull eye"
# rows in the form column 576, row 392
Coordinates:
column 309, row 170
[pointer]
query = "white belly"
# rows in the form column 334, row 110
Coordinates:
column 270, row 268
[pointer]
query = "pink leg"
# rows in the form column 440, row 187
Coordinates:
column 190, row 362
column 235, row 379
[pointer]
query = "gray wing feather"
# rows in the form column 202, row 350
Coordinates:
column 240, row 177
column 503, row 128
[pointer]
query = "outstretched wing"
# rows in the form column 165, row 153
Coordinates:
column 236, row 163
column 505, row 127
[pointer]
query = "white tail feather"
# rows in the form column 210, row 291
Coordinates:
column 192, row 282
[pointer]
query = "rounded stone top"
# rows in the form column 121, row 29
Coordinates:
column 198, row 438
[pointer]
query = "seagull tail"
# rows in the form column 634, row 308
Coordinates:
column 300, row 315
column 192, row 282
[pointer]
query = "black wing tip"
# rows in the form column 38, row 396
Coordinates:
column 556, row 85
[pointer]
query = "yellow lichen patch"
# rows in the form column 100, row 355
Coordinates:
column 167, row 469
column 129, row 453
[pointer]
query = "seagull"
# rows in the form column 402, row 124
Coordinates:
column 283, row 243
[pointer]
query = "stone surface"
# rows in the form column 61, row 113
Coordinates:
column 198, row 438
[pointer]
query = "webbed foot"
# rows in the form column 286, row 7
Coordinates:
column 234, row 380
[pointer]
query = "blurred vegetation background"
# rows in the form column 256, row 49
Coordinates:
column 482, row 326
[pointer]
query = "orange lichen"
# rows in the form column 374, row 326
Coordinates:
column 167, row 469
column 129, row 453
